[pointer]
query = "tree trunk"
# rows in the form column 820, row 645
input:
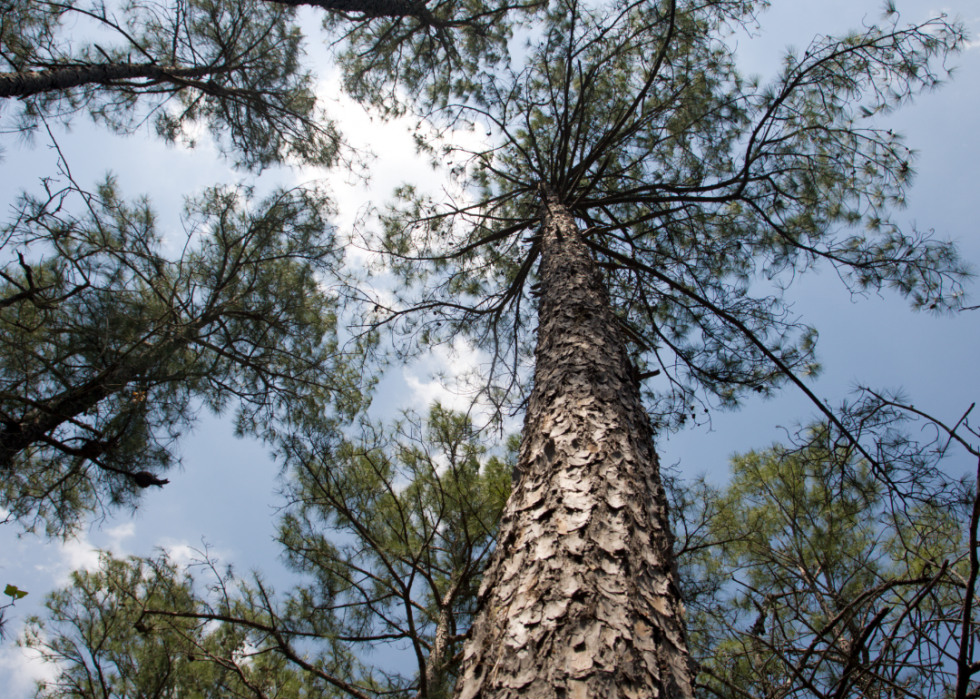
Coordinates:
column 49, row 415
column 370, row 8
column 436, row 684
column 581, row 599
column 27, row 83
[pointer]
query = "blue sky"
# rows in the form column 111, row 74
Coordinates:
column 224, row 493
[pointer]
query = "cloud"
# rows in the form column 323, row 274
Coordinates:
column 126, row 530
column 425, row 393
column 187, row 556
column 76, row 554
column 22, row 668
column 80, row 553
column 442, row 376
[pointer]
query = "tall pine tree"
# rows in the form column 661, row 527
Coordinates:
column 657, row 188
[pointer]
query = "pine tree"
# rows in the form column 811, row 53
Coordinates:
column 829, row 589
column 232, row 67
column 105, row 645
column 655, row 185
column 110, row 349
column 236, row 68
column 417, row 507
column 390, row 534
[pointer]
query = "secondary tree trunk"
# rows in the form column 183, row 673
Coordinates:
column 370, row 8
column 581, row 599
column 43, row 420
column 436, row 684
column 29, row 83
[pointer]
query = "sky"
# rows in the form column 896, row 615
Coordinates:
column 224, row 494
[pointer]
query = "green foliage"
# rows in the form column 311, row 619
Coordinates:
column 14, row 593
column 702, row 196
column 390, row 535
column 412, row 520
column 811, row 582
column 109, row 347
column 233, row 68
column 107, row 646
column 432, row 55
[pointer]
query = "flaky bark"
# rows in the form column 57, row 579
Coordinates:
column 28, row 83
column 581, row 599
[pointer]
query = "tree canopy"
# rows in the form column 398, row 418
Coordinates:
column 696, row 190
column 822, row 587
column 667, row 202
column 390, row 533
column 234, row 68
column 679, row 201
column 111, row 348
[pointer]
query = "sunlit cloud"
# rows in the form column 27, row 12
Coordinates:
column 22, row 668
column 440, row 376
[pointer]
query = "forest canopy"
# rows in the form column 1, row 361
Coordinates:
column 618, row 256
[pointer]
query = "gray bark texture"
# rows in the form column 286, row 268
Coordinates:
column 435, row 664
column 581, row 600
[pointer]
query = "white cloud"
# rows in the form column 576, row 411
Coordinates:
column 80, row 553
column 441, row 376
column 186, row 555
column 75, row 554
column 126, row 530
column 183, row 555
column 425, row 393
column 22, row 668
column 388, row 147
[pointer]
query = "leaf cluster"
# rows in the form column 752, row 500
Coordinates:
column 106, row 645
column 395, row 532
column 405, row 55
column 808, row 576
